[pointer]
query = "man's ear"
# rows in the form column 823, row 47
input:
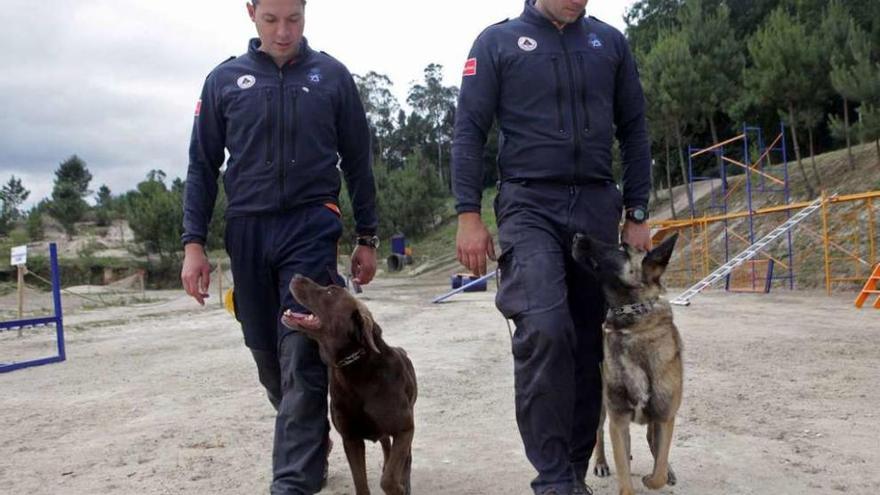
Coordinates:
column 363, row 321
column 657, row 259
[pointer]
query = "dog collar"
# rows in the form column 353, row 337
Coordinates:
column 351, row 358
column 631, row 310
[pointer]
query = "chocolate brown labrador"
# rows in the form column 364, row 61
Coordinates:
column 372, row 385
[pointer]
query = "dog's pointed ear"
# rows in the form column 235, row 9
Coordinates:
column 363, row 320
column 657, row 259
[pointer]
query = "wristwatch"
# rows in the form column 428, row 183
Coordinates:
column 368, row 240
column 637, row 214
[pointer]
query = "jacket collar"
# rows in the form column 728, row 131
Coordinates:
column 254, row 51
column 532, row 15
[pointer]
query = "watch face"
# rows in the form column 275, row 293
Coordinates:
column 639, row 214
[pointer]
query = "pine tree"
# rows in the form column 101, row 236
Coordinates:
column 784, row 64
column 669, row 79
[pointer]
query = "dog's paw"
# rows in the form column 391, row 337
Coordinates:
column 627, row 491
column 672, row 480
column 602, row 470
column 654, row 482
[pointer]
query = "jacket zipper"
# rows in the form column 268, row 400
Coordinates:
column 559, row 123
column 575, row 135
column 270, row 116
column 281, row 173
column 584, row 94
column 295, row 130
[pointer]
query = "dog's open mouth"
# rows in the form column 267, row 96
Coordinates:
column 299, row 321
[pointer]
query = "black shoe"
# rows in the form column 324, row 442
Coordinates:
column 581, row 488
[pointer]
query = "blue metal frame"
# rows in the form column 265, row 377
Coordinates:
column 752, row 187
column 463, row 287
column 61, row 355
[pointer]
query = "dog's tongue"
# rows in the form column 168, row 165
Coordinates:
column 297, row 321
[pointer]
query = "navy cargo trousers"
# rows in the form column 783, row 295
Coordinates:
column 558, row 309
column 266, row 252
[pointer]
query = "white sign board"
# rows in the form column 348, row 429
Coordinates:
column 19, row 256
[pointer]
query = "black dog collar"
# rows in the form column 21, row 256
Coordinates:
column 628, row 314
column 632, row 309
column 351, row 358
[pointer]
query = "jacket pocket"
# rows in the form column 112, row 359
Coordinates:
column 583, row 93
column 560, row 123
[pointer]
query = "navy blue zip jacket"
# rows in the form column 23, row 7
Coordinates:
column 285, row 129
column 560, row 97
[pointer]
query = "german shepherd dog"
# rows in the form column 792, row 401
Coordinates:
column 642, row 369
column 372, row 385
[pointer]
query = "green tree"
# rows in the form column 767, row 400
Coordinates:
column 71, row 185
column 380, row 106
column 716, row 56
column 839, row 29
column 155, row 214
column 784, row 64
column 669, row 79
column 646, row 20
column 35, row 222
column 434, row 103
column 13, row 195
column 103, row 206
column 860, row 82
column 75, row 172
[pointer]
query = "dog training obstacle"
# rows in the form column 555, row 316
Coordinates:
column 685, row 297
column 872, row 287
column 862, row 251
column 757, row 179
column 465, row 287
column 41, row 322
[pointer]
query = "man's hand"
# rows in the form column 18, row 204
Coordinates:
column 474, row 243
column 637, row 235
column 196, row 272
column 363, row 264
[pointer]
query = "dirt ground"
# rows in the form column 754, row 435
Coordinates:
column 161, row 397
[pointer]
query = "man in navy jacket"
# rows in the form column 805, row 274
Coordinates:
column 562, row 86
column 287, row 116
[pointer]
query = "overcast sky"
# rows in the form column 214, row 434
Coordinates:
column 116, row 81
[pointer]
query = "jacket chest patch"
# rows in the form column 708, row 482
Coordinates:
column 594, row 41
column 527, row 44
column 246, row 81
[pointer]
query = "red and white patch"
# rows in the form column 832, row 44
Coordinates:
column 470, row 67
column 198, row 107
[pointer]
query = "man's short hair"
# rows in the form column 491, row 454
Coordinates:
column 255, row 2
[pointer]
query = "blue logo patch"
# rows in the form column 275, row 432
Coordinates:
column 595, row 42
column 315, row 76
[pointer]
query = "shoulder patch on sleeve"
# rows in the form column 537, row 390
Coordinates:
column 470, row 67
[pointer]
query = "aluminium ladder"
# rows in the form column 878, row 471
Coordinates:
column 685, row 297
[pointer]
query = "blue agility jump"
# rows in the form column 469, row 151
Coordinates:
column 464, row 287
column 39, row 322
